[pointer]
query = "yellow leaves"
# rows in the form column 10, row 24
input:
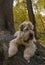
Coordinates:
column 41, row 4
column 20, row 14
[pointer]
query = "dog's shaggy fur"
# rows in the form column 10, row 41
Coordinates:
column 13, row 45
column 27, row 24
column 26, row 37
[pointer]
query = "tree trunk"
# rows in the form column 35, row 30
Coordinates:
column 6, row 16
column 31, row 15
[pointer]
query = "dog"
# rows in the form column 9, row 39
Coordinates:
column 26, row 37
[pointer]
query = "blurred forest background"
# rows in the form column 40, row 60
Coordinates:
column 20, row 13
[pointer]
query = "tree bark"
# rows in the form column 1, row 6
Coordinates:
column 6, row 15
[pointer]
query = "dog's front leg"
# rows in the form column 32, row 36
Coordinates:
column 12, row 49
column 27, row 54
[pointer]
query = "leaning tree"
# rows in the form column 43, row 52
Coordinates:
column 31, row 14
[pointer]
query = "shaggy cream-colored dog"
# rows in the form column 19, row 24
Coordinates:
column 26, row 37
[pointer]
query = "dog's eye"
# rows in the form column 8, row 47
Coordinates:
column 22, row 27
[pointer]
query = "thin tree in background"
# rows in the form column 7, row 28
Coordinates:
column 30, row 14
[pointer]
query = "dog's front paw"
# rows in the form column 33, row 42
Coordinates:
column 12, row 51
column 27, row 58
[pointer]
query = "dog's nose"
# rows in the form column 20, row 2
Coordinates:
column 31, row 35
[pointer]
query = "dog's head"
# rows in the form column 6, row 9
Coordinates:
column 26, row 25
column 27, row 30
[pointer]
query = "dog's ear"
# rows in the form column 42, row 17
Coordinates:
column 31, row 25
column 21, row 27
column 16, row 34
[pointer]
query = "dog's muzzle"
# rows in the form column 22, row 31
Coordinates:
column 30, row 37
